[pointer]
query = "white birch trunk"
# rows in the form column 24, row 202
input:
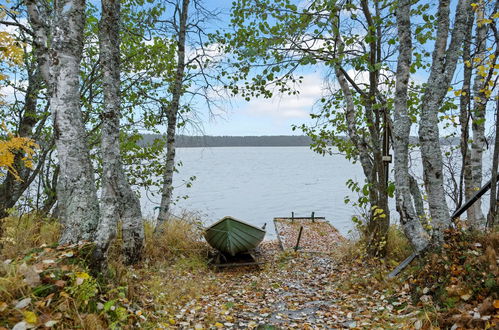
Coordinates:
column 476, row 218
column 411, row 223
column 172, row 113
column 79, row 210
column 118, row 201
column 442, row 70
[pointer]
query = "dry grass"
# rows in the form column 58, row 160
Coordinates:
column 173, row 269
column 26, row 232
column 397, row 248
column 174, row 239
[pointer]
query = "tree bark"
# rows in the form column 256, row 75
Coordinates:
column 464, row 119
column 61, row 58
column 172, row 112
column 411, row 222
column 476, row 217
column 444, row 61
column 118, row 201
column 493, row 213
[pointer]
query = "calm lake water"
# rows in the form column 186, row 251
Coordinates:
column 256, row 184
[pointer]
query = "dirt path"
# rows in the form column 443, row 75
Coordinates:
column 297, row 291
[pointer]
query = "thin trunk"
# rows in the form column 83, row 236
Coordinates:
column 411, row 222
column 477, row 218
column 172, row 113
column 76, row 190
column 12, row 188
column 118, row 201
column 417, row 197
column 443, row 66
column 493, row 213
column 378, row 224
column 464, row 119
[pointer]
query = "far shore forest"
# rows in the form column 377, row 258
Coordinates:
column 95, row 97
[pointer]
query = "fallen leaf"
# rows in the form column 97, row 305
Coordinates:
column 466, row 297
column 30, row 317
column 30, row 274
column 23, row 303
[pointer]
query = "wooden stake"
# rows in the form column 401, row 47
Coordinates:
column 299, row 238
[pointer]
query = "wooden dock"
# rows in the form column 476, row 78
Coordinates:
column 307, row 234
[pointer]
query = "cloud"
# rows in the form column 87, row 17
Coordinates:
column 289, row 106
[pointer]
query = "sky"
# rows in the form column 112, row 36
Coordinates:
column 259, row 116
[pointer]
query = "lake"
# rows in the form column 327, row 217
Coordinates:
column 256, row 184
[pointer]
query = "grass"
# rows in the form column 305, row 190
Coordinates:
column 29, row 231
column 61, row 289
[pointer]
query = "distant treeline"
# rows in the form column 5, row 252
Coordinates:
column 186, row 141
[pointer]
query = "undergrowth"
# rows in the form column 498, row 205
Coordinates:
column 43, row 284
column 459, row 284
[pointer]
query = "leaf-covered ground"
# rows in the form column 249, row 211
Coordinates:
column 317, row 236
column 293, row 291
column 52, row 287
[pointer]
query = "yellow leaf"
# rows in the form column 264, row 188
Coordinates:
column 219, row 325
column 496, row 15
column 172, row 321
column 82, row 275
column 30, row 317
column 496, row 304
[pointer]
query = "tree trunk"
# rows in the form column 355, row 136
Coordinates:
column 442, row 70
column 172, row 113
column 118, row 201
column 12, row 188
column 411, row 222
column 477, row 218
column 76, row 190
column 493, row 213
column 464, row 119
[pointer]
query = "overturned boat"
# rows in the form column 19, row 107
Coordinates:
column 232, row 236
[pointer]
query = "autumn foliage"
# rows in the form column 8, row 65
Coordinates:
column 462, row 280
column 12, row 145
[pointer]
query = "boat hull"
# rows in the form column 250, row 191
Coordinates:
column 232, row 236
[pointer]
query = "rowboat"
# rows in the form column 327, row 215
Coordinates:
column 232, row 236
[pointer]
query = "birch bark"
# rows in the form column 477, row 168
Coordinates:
column 476, row 217
column 409, row 218
column 118, row 201
column 172, row 112
column 443, row 66
column 61, row 58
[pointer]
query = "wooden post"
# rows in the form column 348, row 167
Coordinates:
column 313, row 216
column 292, row 217
column 299, row 238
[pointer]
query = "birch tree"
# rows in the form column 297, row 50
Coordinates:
column 171, row 110
column 61, row 55
column 444, row 61
column 411, row 222
column 118, row 201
